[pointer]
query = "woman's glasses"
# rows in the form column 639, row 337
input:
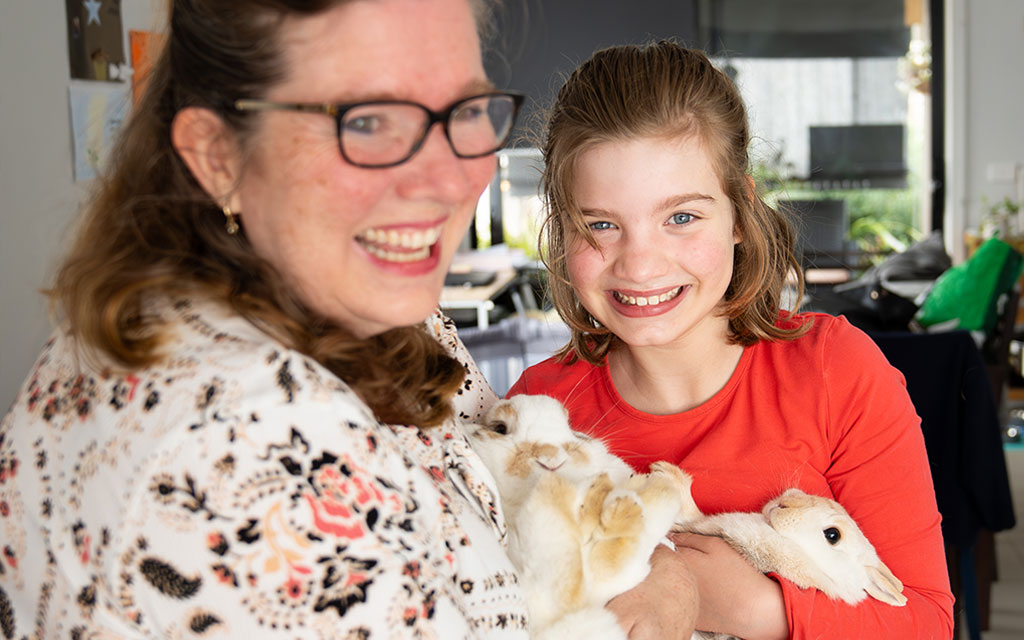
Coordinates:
column 385, row 133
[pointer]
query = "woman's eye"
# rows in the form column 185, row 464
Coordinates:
column 681, row 218
column 367, row 124
column 469, row 113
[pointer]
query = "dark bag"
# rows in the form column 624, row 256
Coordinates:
column 875, row 304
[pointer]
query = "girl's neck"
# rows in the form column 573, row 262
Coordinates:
column 670, row 379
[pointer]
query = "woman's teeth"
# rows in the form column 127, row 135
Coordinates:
column 647, row 301
column 395, row 256
column 400, row 246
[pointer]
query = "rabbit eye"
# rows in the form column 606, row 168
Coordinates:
column 832, row 535
column 499, row 427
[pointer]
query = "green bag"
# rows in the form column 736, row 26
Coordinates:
column 970, row 290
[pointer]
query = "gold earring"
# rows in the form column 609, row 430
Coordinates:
column 232, row 222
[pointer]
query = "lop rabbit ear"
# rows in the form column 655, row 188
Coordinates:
column 884, row 586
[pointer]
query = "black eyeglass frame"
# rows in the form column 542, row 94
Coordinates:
column 338, row 111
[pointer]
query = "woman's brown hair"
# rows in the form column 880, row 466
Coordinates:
column 150, row 230
column 662, row 90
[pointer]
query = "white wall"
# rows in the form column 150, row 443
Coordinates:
column 985, row 109
column 38, row 196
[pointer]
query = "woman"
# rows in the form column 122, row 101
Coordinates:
column 669, row 269
column 246, row 424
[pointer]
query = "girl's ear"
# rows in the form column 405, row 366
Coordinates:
column 737, row 235
column 208, row 148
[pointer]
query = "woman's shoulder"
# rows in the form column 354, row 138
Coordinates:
column 251, row 368
column 217, row 371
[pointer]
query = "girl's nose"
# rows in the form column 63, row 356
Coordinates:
column 639, row 258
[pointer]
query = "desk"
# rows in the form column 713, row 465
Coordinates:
column 479, row 298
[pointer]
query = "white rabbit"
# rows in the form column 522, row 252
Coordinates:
column 809, row 540
column 582, row 527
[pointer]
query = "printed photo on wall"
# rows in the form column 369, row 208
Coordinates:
column 95, row 40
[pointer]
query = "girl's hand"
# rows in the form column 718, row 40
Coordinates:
column 735, row 598
column 664, row 605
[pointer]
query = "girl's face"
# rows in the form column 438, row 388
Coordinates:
column 666, row 234
column 368, row 248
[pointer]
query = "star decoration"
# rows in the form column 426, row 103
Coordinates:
column 93, row 6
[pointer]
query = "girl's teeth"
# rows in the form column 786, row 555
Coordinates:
column 647, row 301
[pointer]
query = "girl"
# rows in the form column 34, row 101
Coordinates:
column 669, row 270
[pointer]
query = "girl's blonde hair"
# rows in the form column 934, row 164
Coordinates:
column 663, row 90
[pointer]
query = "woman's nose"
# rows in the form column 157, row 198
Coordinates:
column 436, row 173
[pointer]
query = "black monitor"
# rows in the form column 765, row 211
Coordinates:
column 822, row 228
column 871, row 153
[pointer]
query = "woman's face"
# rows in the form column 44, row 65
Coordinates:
column 368, row 248
column 665, row 234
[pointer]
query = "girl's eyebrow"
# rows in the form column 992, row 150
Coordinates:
column 674, row 201
column 670, row 202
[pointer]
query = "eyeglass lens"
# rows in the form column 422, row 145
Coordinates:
column 388, row 133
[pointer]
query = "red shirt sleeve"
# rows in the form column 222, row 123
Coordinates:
column 879, row 472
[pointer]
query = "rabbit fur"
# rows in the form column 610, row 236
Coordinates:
column 809, row 540
column 581, row 525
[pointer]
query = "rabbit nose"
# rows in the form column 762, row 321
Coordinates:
column 552, row 460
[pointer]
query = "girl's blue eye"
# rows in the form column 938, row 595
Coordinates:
column 681, row 218
column 599, row 226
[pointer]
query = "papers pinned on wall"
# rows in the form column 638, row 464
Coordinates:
column 145, row 48
column 97, row 111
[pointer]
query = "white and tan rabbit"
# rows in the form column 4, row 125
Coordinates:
column 809, row 540
column 582, row 527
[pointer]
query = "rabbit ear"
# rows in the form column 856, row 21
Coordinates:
column 884, row 586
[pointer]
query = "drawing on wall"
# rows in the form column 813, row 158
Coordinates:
column 145, row 48
column 97, row 111
column 95, row 39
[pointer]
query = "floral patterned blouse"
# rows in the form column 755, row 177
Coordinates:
column 240, row 490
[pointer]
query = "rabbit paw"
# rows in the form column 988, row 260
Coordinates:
column 679, row 483
column 622, row 514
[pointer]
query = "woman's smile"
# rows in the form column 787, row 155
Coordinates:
column 400, row 244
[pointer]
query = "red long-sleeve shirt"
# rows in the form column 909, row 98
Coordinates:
column 825, row 413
